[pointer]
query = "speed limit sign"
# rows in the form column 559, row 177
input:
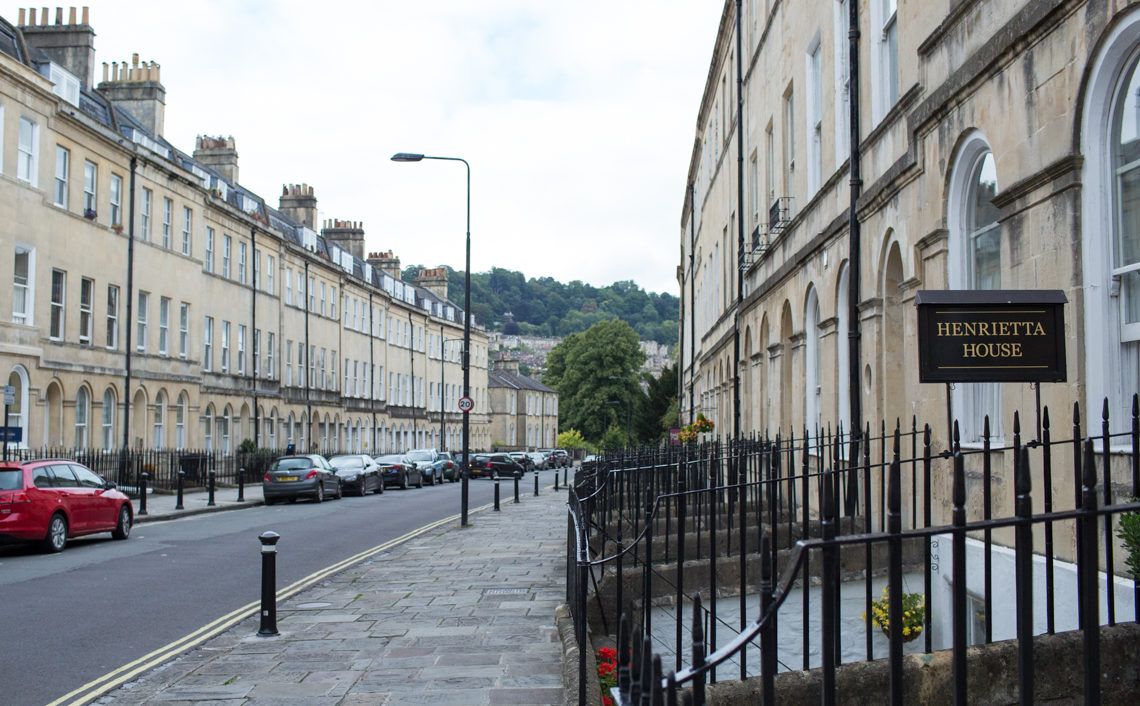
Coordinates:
column 465, row 404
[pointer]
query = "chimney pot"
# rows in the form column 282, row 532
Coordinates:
column 59, row 15
column 32, row 20
column 85, row 15
column 22, row 16
column 105, row 72
column 71, row 17
column 44, row 17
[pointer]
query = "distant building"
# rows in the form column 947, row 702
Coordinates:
column 524, row 412
column 153, row 301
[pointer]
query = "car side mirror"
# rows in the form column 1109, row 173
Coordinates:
column 109, row 485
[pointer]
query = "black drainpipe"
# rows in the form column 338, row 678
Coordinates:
column 739, row 236
column 308, row 367
column 257, row 344
column 129, row 309
column 853, row 334
column 692, row 302
column 372, row 373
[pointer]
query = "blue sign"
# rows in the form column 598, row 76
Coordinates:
column 11, row 435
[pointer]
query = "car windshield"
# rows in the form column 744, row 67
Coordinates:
column 291, row 464
column 347, row 462
column 389, row 459
column 419, row 455
column 12, row 479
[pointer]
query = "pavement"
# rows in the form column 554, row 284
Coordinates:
column 455, row 615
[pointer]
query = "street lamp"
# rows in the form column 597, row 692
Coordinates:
column 411, row 157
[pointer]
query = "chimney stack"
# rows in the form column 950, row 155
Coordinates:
column 385, row 262
column 219, row 153
column 347, row 234
column 506, row 364
column 435, row 281
column 299, row 203
column 70, row 45
column 138, row 90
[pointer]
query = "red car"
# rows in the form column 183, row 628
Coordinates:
column 50, row 500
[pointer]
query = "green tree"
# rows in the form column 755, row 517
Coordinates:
column 614, row 437
column 590, row 369
column 571, row 439
column 653, row 423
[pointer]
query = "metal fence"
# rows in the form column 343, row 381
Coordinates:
column 659, row 530
column 162, row 466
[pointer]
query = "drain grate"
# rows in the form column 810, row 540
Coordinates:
column 504, row 591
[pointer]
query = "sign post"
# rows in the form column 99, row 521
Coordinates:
column 991, row 336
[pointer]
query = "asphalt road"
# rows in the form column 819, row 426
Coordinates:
column 73, row 617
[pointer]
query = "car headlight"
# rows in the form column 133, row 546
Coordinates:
column 349, row 475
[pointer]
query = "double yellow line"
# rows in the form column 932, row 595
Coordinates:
column 97, row 687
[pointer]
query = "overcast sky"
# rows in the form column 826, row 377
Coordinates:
column 577, row 118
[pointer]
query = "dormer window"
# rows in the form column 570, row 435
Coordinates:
column 66, row 85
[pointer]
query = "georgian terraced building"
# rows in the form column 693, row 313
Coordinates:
column 524, row 412
column 996, row 149
column 155, row 302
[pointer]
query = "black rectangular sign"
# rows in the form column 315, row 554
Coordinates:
column 971, row 335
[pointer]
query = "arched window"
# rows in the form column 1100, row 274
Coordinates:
column 975, row 263
column 18, row 412
column 159, row 439
column 208, row 427
column 82, row 416
column 180, row 422
column 222, row 429
column 108, row 419
column 812, row 384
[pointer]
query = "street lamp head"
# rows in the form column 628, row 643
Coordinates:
column 406, row 157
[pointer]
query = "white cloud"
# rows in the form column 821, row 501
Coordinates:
column 577, row 118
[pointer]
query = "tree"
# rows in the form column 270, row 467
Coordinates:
column 571, row 439
column 653, row 423
column 590, row 369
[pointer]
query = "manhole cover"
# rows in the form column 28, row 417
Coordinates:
column 504, row 591
column 311, row 606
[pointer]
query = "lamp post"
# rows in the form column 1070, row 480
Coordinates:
column 410, row 157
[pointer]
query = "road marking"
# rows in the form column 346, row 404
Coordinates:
column 97, row 687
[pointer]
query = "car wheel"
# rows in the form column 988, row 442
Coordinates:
column 340, row 491
column 363, row 487
column 123, row 529
column 380, row 486
column 420, row 483
column 404, row 481
column 320, row 497
column 56, row 538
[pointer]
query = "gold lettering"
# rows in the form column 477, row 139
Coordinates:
column 1015, row 350
column 943, row 328
column 1039, row 330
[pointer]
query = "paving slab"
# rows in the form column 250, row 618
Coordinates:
column 459, row 616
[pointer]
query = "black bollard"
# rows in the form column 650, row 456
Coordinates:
column 536, row 485
column 496, row 492
column 181, row 480
column 268, row 584
column 517, row 477
column 241, row 485
column 142, row 492
column 556, row 480
column 211, row 485
column 564, row 477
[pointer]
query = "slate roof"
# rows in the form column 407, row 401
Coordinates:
column 98, row 108
column 502, row 378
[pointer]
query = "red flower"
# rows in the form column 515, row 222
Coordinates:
column 607, row 701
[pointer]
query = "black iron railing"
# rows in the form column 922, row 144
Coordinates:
column 702, row 524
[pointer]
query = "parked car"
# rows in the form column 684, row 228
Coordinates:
column 522, row 459
column 425, row 460
column 358, row 473
column 559, row 458
column 300, row 476
column 51, row 500
column 493, row 465
column 399, row 471
column 538, row 460
column 448, row 467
